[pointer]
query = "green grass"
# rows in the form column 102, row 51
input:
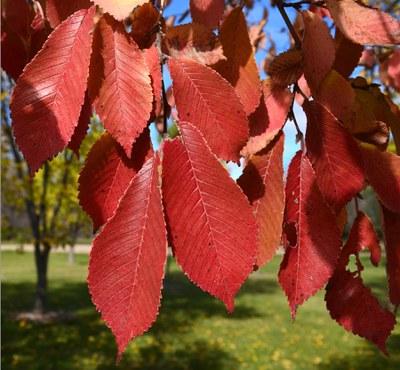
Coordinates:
column 193, row 330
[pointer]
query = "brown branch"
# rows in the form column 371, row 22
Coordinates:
column 289, row 24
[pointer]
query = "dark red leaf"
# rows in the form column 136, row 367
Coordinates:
column 212, row 225
column 106, row 175
column 348, row 53
column 207, row 12
column 312, row 238
column 262, row 182
column 335, row 156
column 354, row 307
column 50, row 92
column 240, row 68
column 59, row 10
column 383, row 173
column 126, row 266
column 206, row 100
column 125, row 98
column 391, row 227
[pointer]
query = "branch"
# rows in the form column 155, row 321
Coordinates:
column 298, row 4
column 289, row 24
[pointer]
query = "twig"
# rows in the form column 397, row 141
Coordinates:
column 289, row 24
column 299, row 135
column 298, row 4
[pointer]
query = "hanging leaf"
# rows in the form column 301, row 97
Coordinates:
column 354, row 307
column 83, row 126
column 193, row 41
column 206, row 100
column 212, row 225
column 318, row 61
column 391, row 227
column 126, row 266
column 262, row 182
column 383, row 173
column 145, row 22
column 348, row 53
column 126, row 75
column 152, row 58
column 47, row 101
column 334, row 155
column 207, row 12
column 119, row 9
column 59, row 10
column 311, row 237
column 268, row 119
column 240, row 68
column 286, row 68
column 363, row 24
column 107, row 174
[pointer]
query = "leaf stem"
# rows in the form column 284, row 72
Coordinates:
column 289, row 24
column 299, row 136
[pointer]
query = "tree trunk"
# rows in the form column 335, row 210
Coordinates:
column 71, row 255
column 41, row 262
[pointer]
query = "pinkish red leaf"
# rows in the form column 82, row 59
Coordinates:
column 318, row 49
column 59, row 10
column 206, row 100
column 50, row 92
column 312, row 238
column 125, row 98
column 382, row 170
column 153, row 62
column 240, row 67
column 207, row 12
column 364, row 25
column 391, row 227
column 262, row 182
column 107, row 174
column 126, row 266
column 354, row 307
column 334, row 155
column 212, row 225
column 268, row 119
column 83, row 126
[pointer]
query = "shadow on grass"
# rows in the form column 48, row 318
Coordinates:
column 367, row 357
column 85, row 342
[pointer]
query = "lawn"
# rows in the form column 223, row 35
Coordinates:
column 193, row 331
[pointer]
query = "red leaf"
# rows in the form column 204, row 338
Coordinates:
column 391, row 227
column 59, row 10
column 362, row 236
column 107, row 174
column 383, row 173
column 119, row 9
column 268, row 119
column 153, row 62
column 240, row 68
column 127, row 260
column 206, row 100
column 262, row 182
column 348, row 53
column 354, row 307
column 125, row 97
column 207, row 12
column 319, row 60
column 50, row 92
column 363, row 24
column 286, row 68
column 83, row 126
column 334, row 155
column 212, row 225
column 312, row 239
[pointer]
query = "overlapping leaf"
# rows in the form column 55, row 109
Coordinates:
column 107, row 174
column 126, row 266
column 268, row 119
column 152, row 58
column 383, row 173
column 348, row 53
column 46, row 102
column 212, row 225
column 59, row 10
column 334, row 155
column 312, row 239
column 262, row 182
column 286, row 68
column 318, row 61
column 125, row 98
column 206, row 100
column 240, row 68
column 207, row 12
column 364, row 25
column 391, row 227
column 119, row 9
